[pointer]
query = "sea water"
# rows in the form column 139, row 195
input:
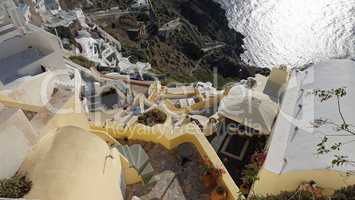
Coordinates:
column 293, row 32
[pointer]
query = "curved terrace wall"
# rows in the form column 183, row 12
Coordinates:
column 170, row 138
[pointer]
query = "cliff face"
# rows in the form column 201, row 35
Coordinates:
column 179, row 51
column 210, row 19
column 210, row 23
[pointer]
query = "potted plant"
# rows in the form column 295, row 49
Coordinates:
column 250, row 175
column 209, row 181
column 211, row 174
column 219, row 193
column 244, row 188
column 258, row 158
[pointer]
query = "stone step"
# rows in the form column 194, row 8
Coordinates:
column 6, row 27
column 93, row 97
column 217, row 142
column 5, row 35
column 69, row 84
column 132, row 154
column 140, row 157
column 94, row 105
column 147, row 173
column 107, row 53
column 130, row 157
column 124, row 150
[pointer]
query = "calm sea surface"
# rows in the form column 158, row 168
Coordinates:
column 293, row 32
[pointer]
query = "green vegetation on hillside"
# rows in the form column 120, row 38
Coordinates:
column 81, row 60
column 347, row 193
column 15, row 187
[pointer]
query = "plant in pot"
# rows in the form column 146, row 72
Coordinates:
column 250, row 175
column 210, row 174
column 219, row 193
column 258, row 158
column 152, row 117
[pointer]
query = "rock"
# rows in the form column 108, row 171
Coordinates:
column 178, row 52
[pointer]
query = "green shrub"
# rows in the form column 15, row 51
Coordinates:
column 152, row 117
column 220, row 190
column 250, row 174
column 347, row 193
column 289, row 196
column 15, row 187
column 81, row 60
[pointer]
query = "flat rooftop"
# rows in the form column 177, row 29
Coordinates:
column 14, row 66
column 294, row 149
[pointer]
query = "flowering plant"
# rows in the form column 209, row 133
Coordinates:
column 258, row 158
column 209, row 169
column 250, row 173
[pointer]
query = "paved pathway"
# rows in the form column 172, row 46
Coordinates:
column 166, row 187
column 186, row 183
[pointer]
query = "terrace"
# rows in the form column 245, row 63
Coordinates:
column 240, row 153
column 174, row 177
column 19, row 64
column 26, row 53
column 171, row 162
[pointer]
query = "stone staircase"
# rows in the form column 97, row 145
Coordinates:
column 8, row 31
column 93, row 102
column 11, row 22
column 69, row 84
column 138, row 159
column 220, row 137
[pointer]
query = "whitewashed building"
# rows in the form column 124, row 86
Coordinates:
column 301, row 125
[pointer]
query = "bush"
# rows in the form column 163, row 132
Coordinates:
column 128, row 21
column 250, row 174
column 347, row 193
column 81, row 60
column 15, row 187
column 220, row 190
column 289, row 196
column 152, row 117
column 192, row 50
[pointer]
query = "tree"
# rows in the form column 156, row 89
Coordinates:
column 324, row 147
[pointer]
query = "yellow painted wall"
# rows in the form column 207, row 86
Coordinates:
column 130, row 174
column 69, row 114
column 9, row 102
column 170, row 138
column 271, row 183
column 162, row 134
column 202, row 104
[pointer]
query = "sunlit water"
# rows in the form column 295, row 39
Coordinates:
column 293, row 32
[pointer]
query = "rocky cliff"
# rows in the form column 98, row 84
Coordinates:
column 186, row 40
